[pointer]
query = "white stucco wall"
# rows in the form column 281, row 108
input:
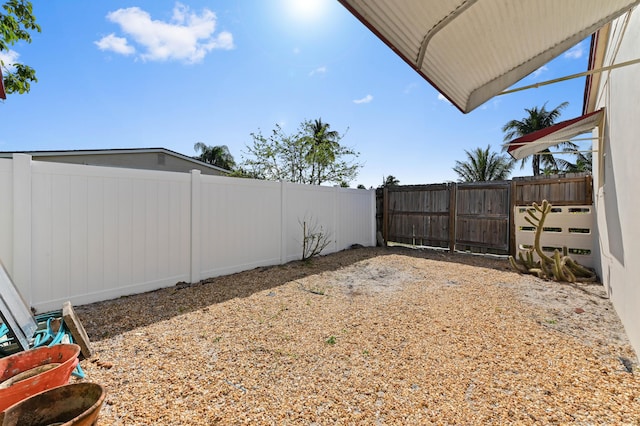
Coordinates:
column 617, row 175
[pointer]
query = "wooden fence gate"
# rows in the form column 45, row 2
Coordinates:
column 475, row 217
column 482, row 217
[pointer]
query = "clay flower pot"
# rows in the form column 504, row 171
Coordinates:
column 33, row 371
column 76, row 404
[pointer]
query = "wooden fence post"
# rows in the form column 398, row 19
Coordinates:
column 452, row 216
column 588, row 182
column 512, row 221
column 374, row 214
column 385, row 215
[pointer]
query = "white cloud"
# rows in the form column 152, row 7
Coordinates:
column 8, row 58
column 187, row 37
column 319, row 70
column 115, row 44
column 410, row 88
column 495, row 103
column 539, row 71
column 442, row 98
column 364, row 100
column 575, row 52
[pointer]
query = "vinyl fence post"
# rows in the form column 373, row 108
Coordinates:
column 372, row 215
column 194, row 273
column 336, row 200
column 22, row 217
column 283, row 222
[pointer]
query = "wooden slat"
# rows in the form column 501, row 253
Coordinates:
column 76, row 328
column 417, row 213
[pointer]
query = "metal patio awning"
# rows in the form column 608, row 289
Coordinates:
column 471, row 50
column 553, row 135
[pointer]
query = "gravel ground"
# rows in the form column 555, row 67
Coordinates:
column 367, row 336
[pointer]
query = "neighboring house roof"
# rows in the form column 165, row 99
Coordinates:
column 84, row 153
column 472, row 50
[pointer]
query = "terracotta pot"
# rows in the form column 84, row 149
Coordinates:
column 66, row 355
column 77, row 404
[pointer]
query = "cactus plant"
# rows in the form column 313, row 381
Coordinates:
column 560, row 266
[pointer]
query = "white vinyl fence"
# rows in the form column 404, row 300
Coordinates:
column 87, row 233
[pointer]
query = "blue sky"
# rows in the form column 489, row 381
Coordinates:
column 149, row 73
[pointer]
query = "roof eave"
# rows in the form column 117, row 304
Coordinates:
column 596, row 60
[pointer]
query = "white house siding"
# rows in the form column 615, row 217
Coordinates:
column 617, row 175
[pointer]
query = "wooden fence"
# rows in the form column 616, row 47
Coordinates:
column 475, row 217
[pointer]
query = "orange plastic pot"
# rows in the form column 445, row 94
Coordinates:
column 66, row 355
column 77, row 404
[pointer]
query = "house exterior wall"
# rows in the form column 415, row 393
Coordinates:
column 617, row 175
column 133, row 160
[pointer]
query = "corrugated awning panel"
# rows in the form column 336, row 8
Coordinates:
column 472, row 50
column 542, row 139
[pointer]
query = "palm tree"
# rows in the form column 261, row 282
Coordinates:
column 218, row 155
column 390, row 180
column 323, row 144
column 482, row 165
column 537, row 119
column 583, row 163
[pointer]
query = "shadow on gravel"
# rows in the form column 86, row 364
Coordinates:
column 106, row 319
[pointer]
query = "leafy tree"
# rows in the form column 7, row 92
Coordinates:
column 218, row 155
column 241, row 172
column 311, row 155
column 537, row 119
column 16, row 20
column 361, row 186
column 483, row 165
column 390, row 181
